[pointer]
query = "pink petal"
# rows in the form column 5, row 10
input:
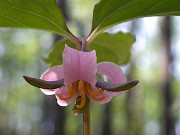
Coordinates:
column 106, row 100
column 52, row 74
column 63, row 93
column 79, row 65
column 105, row 93
column 114, row 74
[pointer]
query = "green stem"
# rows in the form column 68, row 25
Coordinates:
column 74, row 39
column 86, row 121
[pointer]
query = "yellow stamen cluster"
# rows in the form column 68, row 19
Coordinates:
column 84, row 88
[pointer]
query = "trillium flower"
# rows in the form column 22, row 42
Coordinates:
column 77, row 77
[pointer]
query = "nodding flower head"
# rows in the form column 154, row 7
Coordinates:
column 77, row 77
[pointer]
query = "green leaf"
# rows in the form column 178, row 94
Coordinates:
column 33, row 14
column 108, row 13
column 113, row 47
column 55, row 56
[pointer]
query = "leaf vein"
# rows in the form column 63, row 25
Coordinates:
column 14, row 20
column 30, row 12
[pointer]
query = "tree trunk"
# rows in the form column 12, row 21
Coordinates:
column 133, row 119
column 54, row 115
column 168, row 122
column 106, row 126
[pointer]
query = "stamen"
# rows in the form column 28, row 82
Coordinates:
column 73, row 88
column 81, row 86
column 93, row 93
column 64, row 98
column 98, row 99
column 71, row 91
column 82, row 89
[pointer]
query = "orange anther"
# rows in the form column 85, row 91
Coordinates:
column 98, row 98
column 71, row 91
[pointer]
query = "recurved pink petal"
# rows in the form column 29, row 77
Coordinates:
column 63, row 93
column 114, row 74
column 52, row 74
column 105, row 94
column 79, row 65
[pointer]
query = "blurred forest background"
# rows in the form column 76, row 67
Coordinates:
column 152, row 108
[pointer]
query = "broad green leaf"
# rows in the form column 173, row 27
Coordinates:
column 55, row 56
column 113, row 47
column 33, row 14
column 108, row 13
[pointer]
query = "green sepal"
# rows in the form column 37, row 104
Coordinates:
column 76, row 110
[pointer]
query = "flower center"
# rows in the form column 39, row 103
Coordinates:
column 84, row 89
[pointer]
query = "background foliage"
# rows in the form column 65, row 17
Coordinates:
column 23, row 108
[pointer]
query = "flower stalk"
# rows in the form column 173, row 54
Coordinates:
column 86, row 121
column 76, row 80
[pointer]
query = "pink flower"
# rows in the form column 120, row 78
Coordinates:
column 77, row 77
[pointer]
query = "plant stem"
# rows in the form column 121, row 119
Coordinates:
column 74, row 39
column 86, row 121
